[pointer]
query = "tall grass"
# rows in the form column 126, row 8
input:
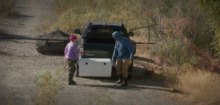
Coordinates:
column 199, row 87
column 202, row 86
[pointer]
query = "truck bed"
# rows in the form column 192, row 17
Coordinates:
column 96, row 48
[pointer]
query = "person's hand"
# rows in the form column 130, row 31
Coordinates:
column 77, row 60
column 131, row 59
column 64, row 60
column 65, row 63
column 113, row 63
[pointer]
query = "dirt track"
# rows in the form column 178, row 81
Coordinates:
column 20, row 63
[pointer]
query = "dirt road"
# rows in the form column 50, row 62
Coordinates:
column 20, row 63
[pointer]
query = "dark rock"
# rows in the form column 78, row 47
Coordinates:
column 52, row 46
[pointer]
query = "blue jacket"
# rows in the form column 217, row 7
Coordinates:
column 123, row 47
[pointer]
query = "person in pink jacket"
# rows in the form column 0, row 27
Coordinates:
column 70, row 56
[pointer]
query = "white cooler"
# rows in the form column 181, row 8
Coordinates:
column 95, row 67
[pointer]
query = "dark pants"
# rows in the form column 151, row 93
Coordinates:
column 77, row 67
column 71, row 66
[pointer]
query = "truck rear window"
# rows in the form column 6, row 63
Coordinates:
column 103, row 33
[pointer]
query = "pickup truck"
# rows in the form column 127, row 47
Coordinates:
column 97, row 44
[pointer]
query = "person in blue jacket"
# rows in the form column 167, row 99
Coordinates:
column 123, row 51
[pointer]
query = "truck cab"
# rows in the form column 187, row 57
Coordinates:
column 96, row 46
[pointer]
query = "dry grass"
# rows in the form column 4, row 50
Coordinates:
column 6, row 7
column 202, row 86
column 199, row 87
column 76, row 14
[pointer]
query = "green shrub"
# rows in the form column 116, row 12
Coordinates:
column 48, row 86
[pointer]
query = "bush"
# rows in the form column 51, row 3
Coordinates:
column 174, row 51
column 48, row 86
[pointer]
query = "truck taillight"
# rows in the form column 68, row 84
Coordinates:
column 81, row 50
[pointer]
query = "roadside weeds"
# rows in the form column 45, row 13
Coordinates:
column 6, row 8
column 48, row 86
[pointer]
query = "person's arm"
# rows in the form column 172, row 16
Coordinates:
column 115, row 53
column 130, row 48
column 64, row 59
column 75, row 52
column 65, row 51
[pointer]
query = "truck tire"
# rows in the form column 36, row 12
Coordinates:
column 130, row 69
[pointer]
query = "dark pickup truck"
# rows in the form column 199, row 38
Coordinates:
column 96, row 41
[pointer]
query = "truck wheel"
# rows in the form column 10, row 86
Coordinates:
column 130, row 69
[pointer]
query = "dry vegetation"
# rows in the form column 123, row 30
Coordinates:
column 202, row 86
column 180, row 20
column 48, row 86
column 142, row 50
column 6, row 7
column 73, row 14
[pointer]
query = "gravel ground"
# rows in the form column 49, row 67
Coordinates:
column 20, row 63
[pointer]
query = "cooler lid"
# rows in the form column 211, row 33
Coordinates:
column 95, row 60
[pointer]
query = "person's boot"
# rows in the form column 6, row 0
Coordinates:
column 125, row 83
column 70, row 79
column 120, row 79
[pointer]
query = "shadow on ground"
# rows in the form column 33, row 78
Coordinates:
column 6, row 35
column 19, row 16
column 131, row 87
column 145, row 59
